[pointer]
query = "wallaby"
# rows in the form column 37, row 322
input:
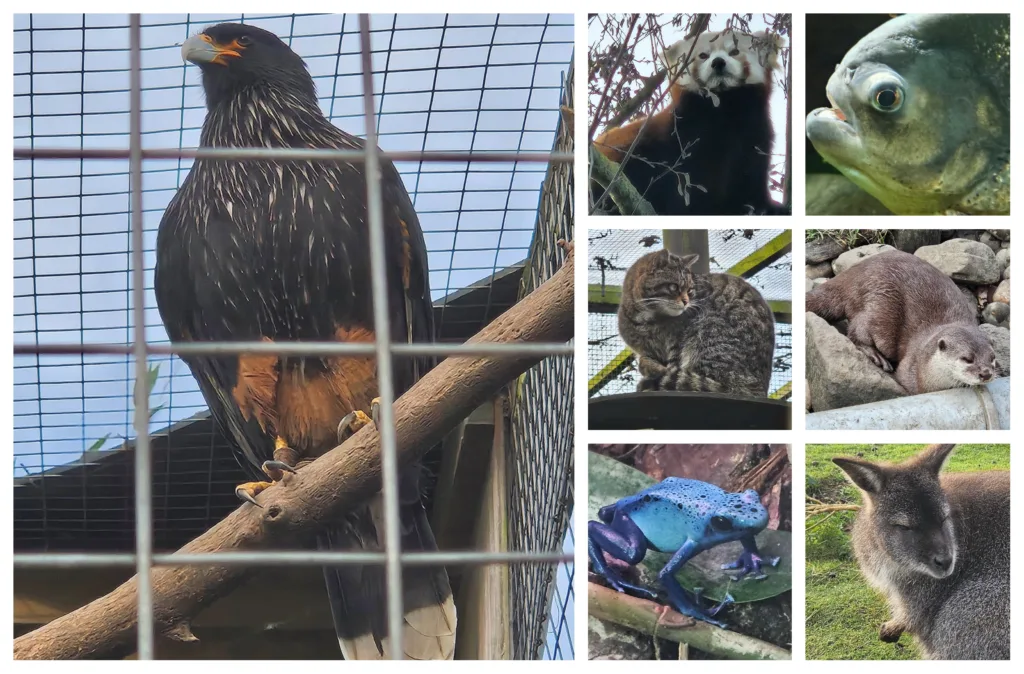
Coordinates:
column 938, row 548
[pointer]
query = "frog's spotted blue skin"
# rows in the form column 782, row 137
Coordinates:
column 684, row 517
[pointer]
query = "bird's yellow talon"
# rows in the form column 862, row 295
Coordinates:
column 250, row 490
column 351, row 423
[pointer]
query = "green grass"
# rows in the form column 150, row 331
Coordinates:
column 843, row 613
column 849, row 237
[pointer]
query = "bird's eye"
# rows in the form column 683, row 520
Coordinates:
column 703, row 55
column 888, row 99
column 719, row 523
column 734, row 52
column 245, row 40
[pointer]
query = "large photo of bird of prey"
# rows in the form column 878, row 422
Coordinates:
column 237, row 288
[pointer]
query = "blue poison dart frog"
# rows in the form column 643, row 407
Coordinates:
column 683, row 517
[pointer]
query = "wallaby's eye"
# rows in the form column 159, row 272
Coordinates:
column 719, row 523
column 967, row 359
column 901, row 524
column 703, row 55
column 734, row 52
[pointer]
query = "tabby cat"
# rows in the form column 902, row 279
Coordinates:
column 703, row 332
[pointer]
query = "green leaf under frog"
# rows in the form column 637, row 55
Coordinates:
column 611, row 480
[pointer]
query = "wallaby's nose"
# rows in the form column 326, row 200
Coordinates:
column 985, row 375
column 942, row 561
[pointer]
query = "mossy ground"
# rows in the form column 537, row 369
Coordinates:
column 843, row 612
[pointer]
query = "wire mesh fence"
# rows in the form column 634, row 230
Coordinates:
column 467, row 107
column 610, row 366
column 542, row 441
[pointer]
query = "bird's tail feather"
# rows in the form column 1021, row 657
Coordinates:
column 358, row 597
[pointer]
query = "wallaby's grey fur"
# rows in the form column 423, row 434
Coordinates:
column 938, row 548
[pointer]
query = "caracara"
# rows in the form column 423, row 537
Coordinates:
column 279, row 251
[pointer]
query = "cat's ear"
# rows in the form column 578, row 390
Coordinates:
column 686, row 261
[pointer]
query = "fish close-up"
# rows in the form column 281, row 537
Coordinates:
column 919, row 115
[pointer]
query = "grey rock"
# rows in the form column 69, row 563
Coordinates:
column 1000, row 338
column 962, row 260
column 1002, row 293
column 819, row 270
column 909, row 240
column 819, row 281
column 1001, row 234
column 808, row 285
column 608, row 641
column 1006, row 272
column 970, row 295
column 990, row 241
column 1003, row 258
column 824, row 249
column 839, row 374
column 858, row 254
column 996, row 313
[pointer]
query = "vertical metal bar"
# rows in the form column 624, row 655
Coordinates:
column 143, row 460
column 382, row 330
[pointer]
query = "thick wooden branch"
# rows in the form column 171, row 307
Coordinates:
column 651, row 618
column 320, row 492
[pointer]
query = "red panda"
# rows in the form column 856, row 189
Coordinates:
column 708, row 152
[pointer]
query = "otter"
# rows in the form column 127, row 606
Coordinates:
column 903, row 310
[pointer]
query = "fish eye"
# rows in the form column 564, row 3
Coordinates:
column 703, row 55
column 719, row 523
column 245, row 40
column 734, row 52
column 888, row 99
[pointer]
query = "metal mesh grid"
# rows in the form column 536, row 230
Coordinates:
column 541, row 460
column 444, row 83
column 613, row 251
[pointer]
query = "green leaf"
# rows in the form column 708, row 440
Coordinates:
column 151, row 376
column 96, row 446
column 611, row 480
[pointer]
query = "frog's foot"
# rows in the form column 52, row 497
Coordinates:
column 751, row 562
column 682, row 602
column 621, row 585
column 726, row 600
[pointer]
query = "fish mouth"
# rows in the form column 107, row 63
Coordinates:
column 833, row 130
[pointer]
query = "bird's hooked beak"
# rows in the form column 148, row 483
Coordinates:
column 200, row 49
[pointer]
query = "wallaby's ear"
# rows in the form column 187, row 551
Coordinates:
column 868, row 476
column 933, row 457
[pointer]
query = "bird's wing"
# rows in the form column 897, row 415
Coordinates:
column 182, row 312
column 358, row 594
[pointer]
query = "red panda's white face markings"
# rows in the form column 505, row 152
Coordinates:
column 723, row 60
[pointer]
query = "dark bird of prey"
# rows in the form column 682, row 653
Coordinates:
column 279, row 251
